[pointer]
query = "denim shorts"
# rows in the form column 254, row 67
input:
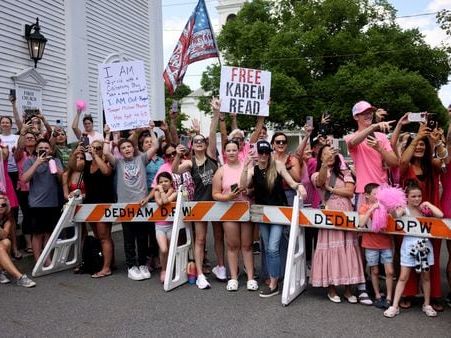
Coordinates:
column 375, row 256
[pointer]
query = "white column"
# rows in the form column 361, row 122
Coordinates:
column 76, row 60
column 157, row 109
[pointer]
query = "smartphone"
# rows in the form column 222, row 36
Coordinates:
column 158, row 123
column 185, row 141
column 41, row 152
column 175, row 106
column 417, row 117
column 431, row 122
column 335, row 143
column 12, row 94
column 309, row 121
column 233, row 187
column 85, row 141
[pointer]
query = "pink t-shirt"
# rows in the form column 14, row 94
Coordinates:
column 446, row 196
column 230, row 176
column 369, row 166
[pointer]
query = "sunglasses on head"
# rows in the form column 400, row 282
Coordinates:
column 3, row 205
column 198, row 141
column 172, row 154
column 238, row 139
column 280, row 142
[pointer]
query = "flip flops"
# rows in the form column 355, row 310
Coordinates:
column 101, row 275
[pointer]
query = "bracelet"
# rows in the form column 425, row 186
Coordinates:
column 107, row 142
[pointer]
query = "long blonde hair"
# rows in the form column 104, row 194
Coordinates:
column 271, row 173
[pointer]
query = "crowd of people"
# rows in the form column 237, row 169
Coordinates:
column 41, row 171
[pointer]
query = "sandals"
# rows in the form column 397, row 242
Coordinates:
column 435, row 303
column 101, row 275
column 429, row 311
column 232, row 285
column 391, row 312
column 252, row 285
column 364, row 299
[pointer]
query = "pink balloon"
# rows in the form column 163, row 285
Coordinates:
column 81, row 105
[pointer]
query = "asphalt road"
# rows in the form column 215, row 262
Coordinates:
column 64, row 304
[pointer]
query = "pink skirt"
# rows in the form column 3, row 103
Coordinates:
column 337, row 259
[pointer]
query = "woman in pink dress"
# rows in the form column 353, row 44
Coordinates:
column 337, row 259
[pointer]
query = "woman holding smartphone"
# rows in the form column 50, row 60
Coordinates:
column 237, row 234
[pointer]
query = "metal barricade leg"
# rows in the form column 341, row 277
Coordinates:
column 59, row 250
column 295, row 281
column 176, row 274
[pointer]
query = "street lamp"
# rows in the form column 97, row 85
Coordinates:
column 36, row 42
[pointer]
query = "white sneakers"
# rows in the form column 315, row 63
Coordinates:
column 220, row 273
column 202, row 282
column 141, row 273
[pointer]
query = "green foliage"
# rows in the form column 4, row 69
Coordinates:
column 327, row 55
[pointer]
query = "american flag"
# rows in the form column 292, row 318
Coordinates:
column 196, row 43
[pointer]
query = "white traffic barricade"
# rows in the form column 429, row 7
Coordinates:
column 295, row 281
column 63, row 253
column 176, row 273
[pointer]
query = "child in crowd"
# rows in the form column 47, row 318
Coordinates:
column 164, row 194
column 416, row 252
column 378, row 248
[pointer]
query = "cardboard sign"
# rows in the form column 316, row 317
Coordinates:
column 245, row 91
column 124, row 95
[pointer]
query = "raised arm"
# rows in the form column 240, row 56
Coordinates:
column 292, row 183
column 211, row 150
column 247, row 174
column 106, row 146
column 406, row 156
column 395, row 136
column 179, row 166
column 75, row 123
column 301, row 148
column 258, row 129
column 173, row 127
column 17, row 117
column 155, row 144
column 47, row 126
column 361, row 136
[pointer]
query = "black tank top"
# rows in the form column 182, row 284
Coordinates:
column 261, row 192
column 203, row 179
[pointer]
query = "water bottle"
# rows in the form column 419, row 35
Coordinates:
column 52, row 166
column 192, row 273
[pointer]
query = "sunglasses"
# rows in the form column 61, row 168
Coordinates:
column 3, row 205
column 280, row 142
column 97, row 148
column 198, row 141
column 171, row 154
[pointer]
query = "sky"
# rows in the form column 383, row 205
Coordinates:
column 177, row 12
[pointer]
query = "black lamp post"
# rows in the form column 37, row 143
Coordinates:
column 36, row 42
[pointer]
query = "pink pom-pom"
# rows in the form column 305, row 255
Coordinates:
column 389, row 199
column 379, row 220
column 80, row 104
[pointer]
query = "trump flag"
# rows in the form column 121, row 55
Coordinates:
column 196, row 43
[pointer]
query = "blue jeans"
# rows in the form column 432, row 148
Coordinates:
column 271, row 235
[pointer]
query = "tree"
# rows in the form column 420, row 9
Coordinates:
column 327, row 55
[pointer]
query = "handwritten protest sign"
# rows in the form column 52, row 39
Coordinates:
column 124, row 95
column 245, row 91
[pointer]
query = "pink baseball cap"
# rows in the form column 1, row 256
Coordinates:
column 361, row 107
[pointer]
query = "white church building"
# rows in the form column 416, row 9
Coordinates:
column 80, row 35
